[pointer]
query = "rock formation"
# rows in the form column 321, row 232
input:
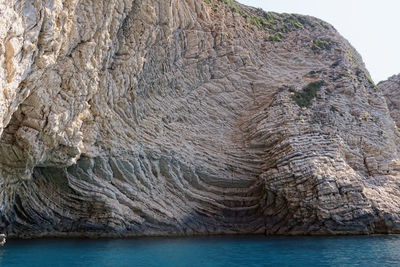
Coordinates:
column 2, row 239
column 183, row 117
column 391, row 91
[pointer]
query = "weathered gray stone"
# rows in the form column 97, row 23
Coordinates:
column 146, row 117
column 391, row 89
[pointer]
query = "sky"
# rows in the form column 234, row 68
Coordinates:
column 371, row 26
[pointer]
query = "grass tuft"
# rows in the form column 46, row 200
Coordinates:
column 321, row 44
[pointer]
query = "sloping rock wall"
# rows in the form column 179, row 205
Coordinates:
column 182, row 117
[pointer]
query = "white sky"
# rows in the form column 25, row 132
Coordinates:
column 371, row 26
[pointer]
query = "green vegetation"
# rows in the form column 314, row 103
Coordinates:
column 282, row 23
column 276, row 23
column 207, row 1
column 258, row 21
column 321, row 44
column 371, row 81
column 361, row 73
column 321, row 24
column 276, row 37
column 305, row 97
column 351, row 53
column 231, row 4
column 289, row 23
column 342, row 75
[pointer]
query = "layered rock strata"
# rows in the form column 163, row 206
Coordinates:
column 183, row 117
column 391, row 91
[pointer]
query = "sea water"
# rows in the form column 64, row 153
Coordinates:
column 206, row 251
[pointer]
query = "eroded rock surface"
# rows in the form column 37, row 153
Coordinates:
column 391, row 91
column 181, row 117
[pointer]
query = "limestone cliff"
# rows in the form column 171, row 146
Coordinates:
column 391, row 91
column 181, row 117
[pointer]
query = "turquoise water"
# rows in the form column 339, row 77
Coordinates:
column 206, row 251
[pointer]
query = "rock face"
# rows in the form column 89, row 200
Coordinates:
column 182, row 117
column 391, row 91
